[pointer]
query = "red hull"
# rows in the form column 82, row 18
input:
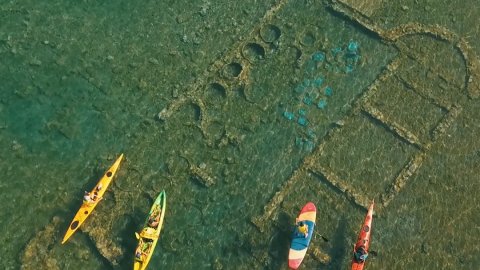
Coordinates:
column 364, row 237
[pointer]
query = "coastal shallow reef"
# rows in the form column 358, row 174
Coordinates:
column 325, row 101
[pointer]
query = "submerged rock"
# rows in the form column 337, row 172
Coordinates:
column 201, row 175
column 38, row 254
column 102, row 238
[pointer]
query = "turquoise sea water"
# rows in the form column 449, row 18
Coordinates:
column 82, row 82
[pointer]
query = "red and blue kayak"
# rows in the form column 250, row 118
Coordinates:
column 360, row 250
column 300, row 243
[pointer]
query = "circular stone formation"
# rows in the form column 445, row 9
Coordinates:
column 215, row 130
column 307, row 39
column 232, row 70
column 215, row 93
column 253, row 52
column 294, row 53
column 270, row 33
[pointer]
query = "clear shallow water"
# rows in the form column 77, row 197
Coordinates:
column 86, row 82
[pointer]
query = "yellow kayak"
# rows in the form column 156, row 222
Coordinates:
column 148, row 237
column 91, row 199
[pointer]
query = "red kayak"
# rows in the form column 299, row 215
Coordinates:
column 360, row 250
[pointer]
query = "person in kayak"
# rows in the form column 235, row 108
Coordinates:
column 138, row 253
column 360, row 254
column 302, row 228
column 142, row 249
column 154, row 219
column 87, row 198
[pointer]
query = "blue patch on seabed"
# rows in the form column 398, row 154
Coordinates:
column 341, row 59
column 289, row 115
column 318, row 56
column 328, row 91
column 322, row 104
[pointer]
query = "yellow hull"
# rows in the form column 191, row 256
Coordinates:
column 150, row 234
column 87, row 207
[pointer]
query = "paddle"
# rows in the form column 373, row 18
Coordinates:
column 324, row 238
column 137, row 235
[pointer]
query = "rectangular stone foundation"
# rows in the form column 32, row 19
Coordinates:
column 366, row 7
